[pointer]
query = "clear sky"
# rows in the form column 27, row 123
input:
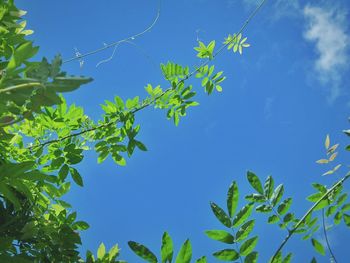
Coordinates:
column 280, row 99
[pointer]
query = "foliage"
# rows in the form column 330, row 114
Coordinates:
column 42, row 139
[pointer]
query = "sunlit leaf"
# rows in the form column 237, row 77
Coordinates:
column 327, row 142
column 242, row 215
column 318, row 246
column 244, row 231
column 255, row 182
column 248, row 246
column 227, row 255
column 220, row 235
column 232, row 198
column 220, row 214
column 167, row 248
column 185, row 253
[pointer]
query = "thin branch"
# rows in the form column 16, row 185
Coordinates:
column 22, row 86
column 308, row 213
column 326, row 237
column 130, row 38
column 146, row 104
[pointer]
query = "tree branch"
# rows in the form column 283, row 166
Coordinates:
column 308, row 213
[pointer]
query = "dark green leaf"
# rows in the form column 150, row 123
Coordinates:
column 251, row 257
column 80, row 225
column 63, row 172
column 220, row 214
column 202, row 260
column 242, row 215
column 318, row 246
column 273, row 219
column 288, row 258
column 226, row 255
column 76, row 176
column 255, row 182
column 232, row 199
column 284, row 206
column 248, row 246
column 220, row 235
column 185, row 253
column 142, row 252
column 264, row 208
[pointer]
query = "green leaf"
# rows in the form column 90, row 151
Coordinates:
column 243, row 215
column 8, row 193
column 220, row 214
column 244, row 231
column 345, row 207
column 63, row 172
column 226, row 255
column 256, row 198
column 263, row 208
column 251, row 257
column 232, row 198
column 167, row 248
column 142, row 252
column 248, row 246
column 255, row 182
column 269, row 186
column 202, row 260
column 185, row 253
column 101, row 251
column 80, row 225
column 140, row 145
column 273, row 219
column 220, row 235
column 288, row 258
column 76, row 176
column 284, row 206
column 67, row 84
column 277, row 195
column 313, row 260
column 346, row 218
column 318, row 246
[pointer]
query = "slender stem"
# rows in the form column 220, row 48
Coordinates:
column 130, row 38
column 326, row 237
column 22, row 86
column 144, row 105
column 312, row 208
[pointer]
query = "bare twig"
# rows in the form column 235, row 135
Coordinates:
column 326, row 237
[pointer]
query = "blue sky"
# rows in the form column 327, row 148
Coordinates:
column 280, row 99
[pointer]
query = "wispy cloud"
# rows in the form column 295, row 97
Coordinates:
column 327, row 29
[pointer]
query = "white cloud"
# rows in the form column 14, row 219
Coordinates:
column 327, row 29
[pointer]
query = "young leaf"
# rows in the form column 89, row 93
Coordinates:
column 322, row 161
column 248, row 246
column 185, row 253
column 318, row 246
column 333, row 156
column 232, row 199
column 245, row 230
column 327, row 142
column 227, row 255
column 220, row 235
column 101, row 251
column 220, row 214
column 255, row 182
column 167, row 248
column 242, row 215
column 142, row 252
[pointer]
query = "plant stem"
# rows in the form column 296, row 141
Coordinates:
column 326, row 237
column 22, row 86
column 144, row 105
column 341, row 181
